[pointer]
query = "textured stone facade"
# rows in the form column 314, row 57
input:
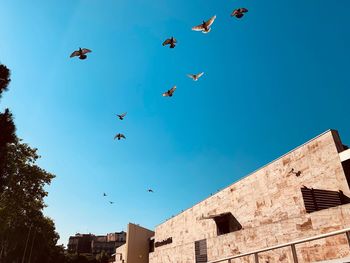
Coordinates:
column 270, row 208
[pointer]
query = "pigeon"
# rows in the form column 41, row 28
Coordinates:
column 150, row 191
column 195, row 77
column 170, row 41
column 170, row 92
column 119, row 136
column 111, row 202
column 205, row 26
column 81, row 53
column 121, row 116
column 239, row 12
column 297, row 174
column 104, row 194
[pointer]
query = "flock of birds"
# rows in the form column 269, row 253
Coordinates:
column 204, row 27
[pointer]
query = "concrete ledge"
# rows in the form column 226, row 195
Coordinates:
column 345, row 155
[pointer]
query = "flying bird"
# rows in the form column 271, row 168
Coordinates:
column 111, row 202
column 150, row 191
column 195, row 77
column 239, row 12
column 81, row 53
column 121, row 116
column 170, row 41
column 104, row 194
column 205, row 26
column 119, row 136
column 170, row 92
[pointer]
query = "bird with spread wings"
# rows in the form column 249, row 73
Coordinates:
column 121, row 116
column 81, row 53
column 170, row 92
column 239, row 12
column 119, row 136
column 195, row 77
column 205, row 27
column 170, row 41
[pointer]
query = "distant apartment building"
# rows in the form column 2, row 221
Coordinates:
column 107, row 243
column 92, row 244
column 80, row 243
column 264, row 217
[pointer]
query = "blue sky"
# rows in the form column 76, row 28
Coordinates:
column 273, row 80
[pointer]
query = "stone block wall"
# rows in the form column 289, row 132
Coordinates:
column 269, row 205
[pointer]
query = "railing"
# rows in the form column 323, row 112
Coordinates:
column 290, row 244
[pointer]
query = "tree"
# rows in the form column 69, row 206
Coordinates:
column 7, row 126
column 7, row 135
column 102, row 257
column 21, row 205
column 4, row 78
column 26, row 235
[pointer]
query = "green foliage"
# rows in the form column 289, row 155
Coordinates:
column 7, row 128
column 26, row 235
column 4, row 78
column 7, row 135
column 102, row 257
column 84, row 258
column 21, row 204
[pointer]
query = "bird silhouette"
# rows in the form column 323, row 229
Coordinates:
column 150, row 191
column 81, row 53
column 239, row 12
column 119, row 136
column 170, row 41
column 170, row 92
column 111, row 202
column 104, row 194
column 195, row 77
column 121, row 116
column 205, row 26
column 297, row 173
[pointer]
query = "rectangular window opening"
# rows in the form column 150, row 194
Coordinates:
column 226, row 223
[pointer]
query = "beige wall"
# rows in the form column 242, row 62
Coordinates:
column 120, row 254
column 269, row 205
column 136, row 248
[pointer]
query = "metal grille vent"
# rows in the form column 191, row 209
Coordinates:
column 201, row 251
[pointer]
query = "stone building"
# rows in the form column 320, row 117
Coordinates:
column 302, row 194
column 107, row 243
column 80, row 244
column 93, row 245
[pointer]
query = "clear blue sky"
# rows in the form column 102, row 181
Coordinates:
column 273, row 80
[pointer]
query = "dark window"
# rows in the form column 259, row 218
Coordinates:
column 346, row 168
column 200, row 248
column 226, row 223
column 151, row 245
column 317, row 199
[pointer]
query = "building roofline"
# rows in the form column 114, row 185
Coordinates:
column 253, row 172
column 137, row 225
